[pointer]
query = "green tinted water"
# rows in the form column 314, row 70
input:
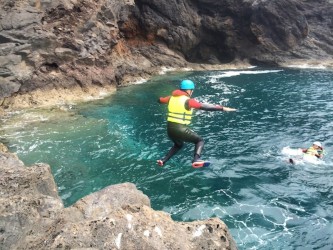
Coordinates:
column 266, row 202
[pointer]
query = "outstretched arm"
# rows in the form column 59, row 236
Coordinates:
column 212, row 107
column 192, row 103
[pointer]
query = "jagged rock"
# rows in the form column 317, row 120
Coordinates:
column 32, row 216
column 48, row 44
column 7, row 87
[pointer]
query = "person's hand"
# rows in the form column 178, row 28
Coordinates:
column 229, row 109
column 304, row 150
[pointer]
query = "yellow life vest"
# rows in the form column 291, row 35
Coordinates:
column 313, row 151
column 177, row 111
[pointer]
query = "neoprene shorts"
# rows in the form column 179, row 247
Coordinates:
column 180, row 133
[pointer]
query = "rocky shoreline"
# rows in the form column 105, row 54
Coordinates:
column 32, row 216
column 70, row 96
column 62, row 51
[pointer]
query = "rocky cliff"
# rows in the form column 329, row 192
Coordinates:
column 83, row 48
column 32, row 216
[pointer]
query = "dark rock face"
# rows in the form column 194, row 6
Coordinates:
column 277, row 29
column 32, row 216
column 223, row 31
column 64, row 44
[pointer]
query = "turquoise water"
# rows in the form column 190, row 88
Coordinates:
column 266, row 202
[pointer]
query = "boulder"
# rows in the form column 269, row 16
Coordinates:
column 32, row 216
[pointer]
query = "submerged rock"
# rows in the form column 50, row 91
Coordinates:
column 32, row 216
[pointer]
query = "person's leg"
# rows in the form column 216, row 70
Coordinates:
column 176, row 147
column 180, row 133
column 174, row 132
column 197, row 150
column 189, row 135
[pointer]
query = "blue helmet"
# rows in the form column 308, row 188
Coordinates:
column 186, row 84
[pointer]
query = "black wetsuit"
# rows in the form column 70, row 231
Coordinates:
column 180, row 133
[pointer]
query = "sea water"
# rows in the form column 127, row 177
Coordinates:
column 266, row 202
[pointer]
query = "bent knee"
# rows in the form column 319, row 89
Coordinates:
column 200, row 140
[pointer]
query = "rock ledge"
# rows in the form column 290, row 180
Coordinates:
column 32, row 216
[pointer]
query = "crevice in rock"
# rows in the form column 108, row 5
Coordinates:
column 4, row 39
column 51, row 66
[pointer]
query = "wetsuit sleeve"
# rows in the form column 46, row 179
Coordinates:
column 211, row 107
column 164, row 100
column 192, row 103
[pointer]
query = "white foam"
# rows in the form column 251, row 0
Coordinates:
column 164, row 70
column 140, row 81
column 307, row 66
column 312, row 159
column 291, row 151
column 226, row 74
